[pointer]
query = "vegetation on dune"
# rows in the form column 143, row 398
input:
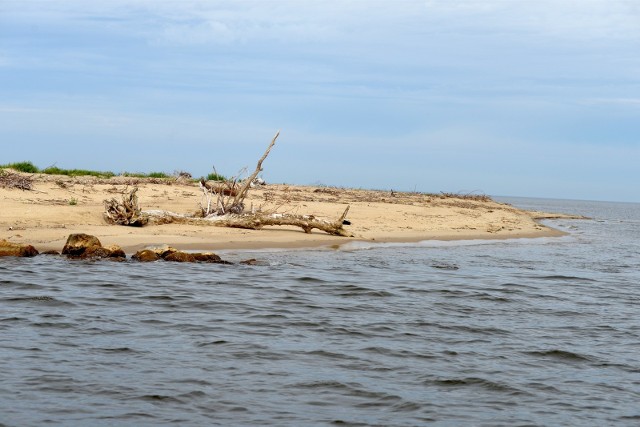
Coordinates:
column 146, row 175
column 27, row 167
column 215, row 177
column 54, row 170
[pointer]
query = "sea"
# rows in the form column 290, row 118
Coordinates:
column 522, row 332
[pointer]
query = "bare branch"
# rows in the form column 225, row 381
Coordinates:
column 242, row 193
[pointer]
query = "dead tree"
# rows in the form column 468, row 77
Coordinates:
column 229, row 210
column 230, row 194
column 125, row 211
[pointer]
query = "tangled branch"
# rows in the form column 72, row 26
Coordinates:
column 15, row 180
column 126, row 211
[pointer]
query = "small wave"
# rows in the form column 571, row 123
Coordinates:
column 444, row 266
column 159, row 398
column 564, row 278
column 210, row 343
column 397, row 353
column 561, row 355
column 475, row 382
column 310, row 279
column 45, row 299
column 118, row 350
column 354, row 290
column 351, row 389
column 329, row 355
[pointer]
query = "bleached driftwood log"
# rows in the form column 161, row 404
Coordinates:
column 254, row 221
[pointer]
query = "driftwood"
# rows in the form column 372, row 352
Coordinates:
column 13, row 180
column 254, row 221
column 126, row 211
column 237, row 204
column 230, row 194
column 228, row 212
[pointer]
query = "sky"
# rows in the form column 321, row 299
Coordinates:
column 501, row 97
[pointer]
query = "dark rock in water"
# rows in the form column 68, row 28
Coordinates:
column 78, row 244
column 85, row 246
column 251, row 261
column 15, row 249
column 179, row 257
column 116, row 252
column 146, row 255
column 50, row 252
column 207, row 257
column 170, row 254
column 163, row 251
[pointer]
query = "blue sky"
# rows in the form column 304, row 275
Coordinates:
column 523, row 98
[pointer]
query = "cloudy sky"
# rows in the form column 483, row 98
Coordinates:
column 504, row 97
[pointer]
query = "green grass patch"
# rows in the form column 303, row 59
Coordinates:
column 21, row 167
column 54, row 170
column 146, row 175
column 215, row 177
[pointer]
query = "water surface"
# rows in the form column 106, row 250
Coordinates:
column 522, row 332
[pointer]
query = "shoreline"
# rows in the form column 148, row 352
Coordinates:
column 59, row 206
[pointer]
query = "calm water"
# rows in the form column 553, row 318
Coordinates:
column 526, row 332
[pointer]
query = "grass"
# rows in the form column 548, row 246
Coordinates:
column 146, row 175
column 53, row 170
column 215, row 177
column 29, row 167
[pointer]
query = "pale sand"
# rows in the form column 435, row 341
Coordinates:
column 44, row 216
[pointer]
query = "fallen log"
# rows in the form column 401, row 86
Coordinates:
column 253, row 221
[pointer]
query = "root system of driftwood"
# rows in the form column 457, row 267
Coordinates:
column 125, row 211
column 229, row 209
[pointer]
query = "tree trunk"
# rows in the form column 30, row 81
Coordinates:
column 255, row 221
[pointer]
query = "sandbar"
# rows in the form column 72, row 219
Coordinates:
column 58, row 206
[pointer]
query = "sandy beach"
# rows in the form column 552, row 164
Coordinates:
column 57, row 206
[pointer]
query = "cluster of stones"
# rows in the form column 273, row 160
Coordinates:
column 85, row 246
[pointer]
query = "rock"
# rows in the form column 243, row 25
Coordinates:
column 207, row 257
column 179, row 257
column 50, row 252
column 251, row 261
column 146, row 255
column 85, row 246
column 16, row 249
column 111, row 251
column 163, row 251
column 78, row 244
column 116, row 251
